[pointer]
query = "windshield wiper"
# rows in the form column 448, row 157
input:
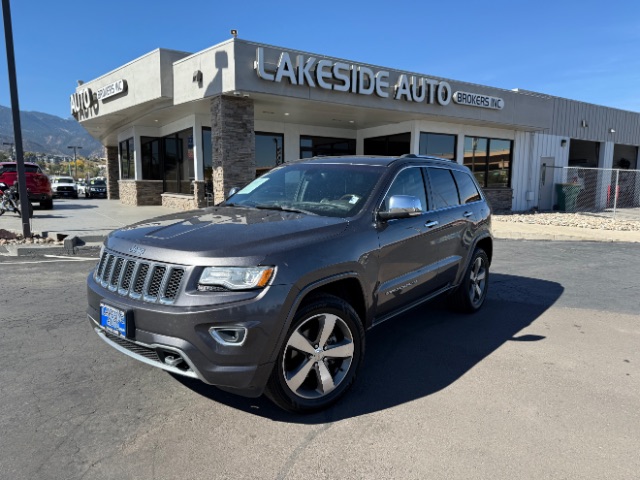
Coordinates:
column 283, row 208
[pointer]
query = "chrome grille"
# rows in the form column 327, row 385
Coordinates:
column 150, row 281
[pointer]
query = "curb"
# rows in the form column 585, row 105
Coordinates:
column 71, row 246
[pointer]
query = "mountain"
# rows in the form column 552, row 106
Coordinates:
column 44, row 133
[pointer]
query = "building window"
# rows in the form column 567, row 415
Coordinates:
column 438, row 145
column 127, row 163
column 207, row 159
column 326, row 146
column 490, row 160
column 151, row 160
column 394, row 145
column 269, row 151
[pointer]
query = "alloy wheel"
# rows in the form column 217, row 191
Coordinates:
column 318, row 356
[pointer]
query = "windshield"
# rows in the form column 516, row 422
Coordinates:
column 64, row 180
column 98, row 183
column 314, row 188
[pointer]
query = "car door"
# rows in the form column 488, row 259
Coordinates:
column 407, row 262
column 457, row 220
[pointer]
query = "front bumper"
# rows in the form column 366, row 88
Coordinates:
column 176, row 338
column 65, row 193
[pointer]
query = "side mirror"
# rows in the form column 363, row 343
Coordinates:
column 233, row 191
column 401, row 206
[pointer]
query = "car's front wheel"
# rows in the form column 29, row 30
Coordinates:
column 320, row 358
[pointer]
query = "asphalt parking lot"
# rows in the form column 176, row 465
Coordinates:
column 543, row 383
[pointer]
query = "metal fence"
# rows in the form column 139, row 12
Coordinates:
column 614, row 193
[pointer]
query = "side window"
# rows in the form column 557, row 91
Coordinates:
column 443, row 188
column 467, row 188
column 408, row 182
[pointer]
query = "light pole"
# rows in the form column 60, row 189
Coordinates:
column 75, row 162
column 15, row 112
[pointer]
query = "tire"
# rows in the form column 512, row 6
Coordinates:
column 471, row 293
column 46, row 204
column 306, row 376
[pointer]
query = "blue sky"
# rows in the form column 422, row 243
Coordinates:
column 588, row 50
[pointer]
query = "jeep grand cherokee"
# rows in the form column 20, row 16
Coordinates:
column 272, row 290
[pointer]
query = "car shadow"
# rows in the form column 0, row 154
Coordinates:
column 421, row 352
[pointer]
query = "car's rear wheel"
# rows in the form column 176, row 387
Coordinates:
column 46, row 204
column 320, row 358
column 470, row 295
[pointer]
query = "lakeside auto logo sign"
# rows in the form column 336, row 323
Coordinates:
column 363, row 80
column 85, row 99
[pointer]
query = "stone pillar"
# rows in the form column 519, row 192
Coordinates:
column 113, row 173
column 233, row 144
column 199, row 194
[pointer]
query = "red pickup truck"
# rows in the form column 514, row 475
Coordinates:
column 38, row 185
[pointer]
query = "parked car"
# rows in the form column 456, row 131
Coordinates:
column 38, row 184
column 272, row 290
column 95, row 187
column 64, row 187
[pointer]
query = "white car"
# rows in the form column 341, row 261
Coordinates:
column 64, row 187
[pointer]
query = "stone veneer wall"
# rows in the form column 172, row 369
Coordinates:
column 199, row 194
column 113, row 173
column 233, row 144
column 140, row 192
column 178, row 201
column 500, row 199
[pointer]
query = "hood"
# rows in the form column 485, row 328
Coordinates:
column 230, row 233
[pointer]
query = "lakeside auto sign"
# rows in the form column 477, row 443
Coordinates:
column 363, row 80
column 85, row 99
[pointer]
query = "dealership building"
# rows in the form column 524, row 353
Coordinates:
column 180, row 129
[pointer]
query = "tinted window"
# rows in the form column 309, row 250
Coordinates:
column 311, row 146
column 408, row 182
column 269, row 150
column 443, row 188
column 489, row 159
column 467, row 189
column 438, row 145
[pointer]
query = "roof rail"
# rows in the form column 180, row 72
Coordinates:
column 426, row 157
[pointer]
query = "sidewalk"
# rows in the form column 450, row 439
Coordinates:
column 75, row 223
column 524, row 231
column 86, row 222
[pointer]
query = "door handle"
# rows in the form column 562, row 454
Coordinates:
column 467, row 214
column 431, row 224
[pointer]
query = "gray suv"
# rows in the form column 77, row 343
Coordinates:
column 272, row 290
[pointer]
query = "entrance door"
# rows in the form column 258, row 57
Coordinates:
column 547, row 172
column 172, row 165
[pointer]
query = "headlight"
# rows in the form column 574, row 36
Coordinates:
column 237, row 278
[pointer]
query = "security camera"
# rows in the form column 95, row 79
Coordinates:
column 234, row 33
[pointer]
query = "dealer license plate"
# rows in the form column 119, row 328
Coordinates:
column 113, row 319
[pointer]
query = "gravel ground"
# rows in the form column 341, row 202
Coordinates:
column 579, row 220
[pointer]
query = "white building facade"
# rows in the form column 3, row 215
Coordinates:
column 181, row 129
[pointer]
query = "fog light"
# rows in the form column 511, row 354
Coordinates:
column 229, row 335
